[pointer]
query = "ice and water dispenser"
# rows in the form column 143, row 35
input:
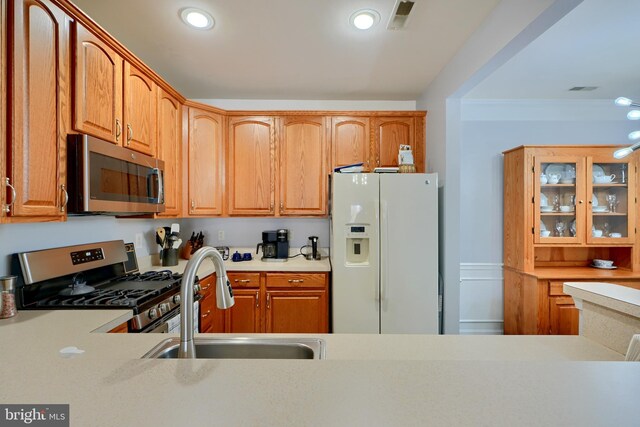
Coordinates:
column 357, row 244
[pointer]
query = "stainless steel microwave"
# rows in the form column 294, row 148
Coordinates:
column 104, row 178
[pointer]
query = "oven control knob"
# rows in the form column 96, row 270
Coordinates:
column 164, row 308
column 153, row 313
column 176, row 299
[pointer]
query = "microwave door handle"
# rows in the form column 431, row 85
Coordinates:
column 160, row 184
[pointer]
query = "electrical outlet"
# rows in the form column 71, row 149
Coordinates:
column 221, row 235
column 139, row 241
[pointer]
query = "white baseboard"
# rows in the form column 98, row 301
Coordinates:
column 481, row 299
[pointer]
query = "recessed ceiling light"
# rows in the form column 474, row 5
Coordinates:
column 364, row 19
column 197, row 18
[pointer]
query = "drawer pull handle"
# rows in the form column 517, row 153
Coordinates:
column 257, row 299
column 242, row 280
column 118, row 130
column 268, row 300
column 296, row 280
column 206, row 287
column 206, row 314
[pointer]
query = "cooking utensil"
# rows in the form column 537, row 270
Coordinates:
column 175, row 228
column 160, row 236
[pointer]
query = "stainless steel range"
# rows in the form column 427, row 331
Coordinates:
column 100, row 275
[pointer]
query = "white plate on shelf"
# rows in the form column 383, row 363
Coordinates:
column 542, row 226
column 613, row 267
column 558, row 168
column 543, row 200
column 600, row 209
column 594, row 200
column 546, row 208
column 598, row 171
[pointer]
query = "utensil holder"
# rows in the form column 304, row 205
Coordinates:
column 169, row 257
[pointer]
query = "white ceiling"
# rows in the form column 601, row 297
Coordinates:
column 292, row 49
column 596, row 44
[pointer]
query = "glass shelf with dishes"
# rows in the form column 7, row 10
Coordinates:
column 610, row 209
column 557, row 203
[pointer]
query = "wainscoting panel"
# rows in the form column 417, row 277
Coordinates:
column 481, row 299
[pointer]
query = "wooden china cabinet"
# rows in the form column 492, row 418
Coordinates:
column 564, row 207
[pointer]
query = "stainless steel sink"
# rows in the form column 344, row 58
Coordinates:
column 244, row 348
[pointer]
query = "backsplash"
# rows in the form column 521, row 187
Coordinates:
column 246, row 232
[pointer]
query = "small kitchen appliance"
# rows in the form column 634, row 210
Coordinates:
column 275, row 245
column 60, row 278
column 314, row 255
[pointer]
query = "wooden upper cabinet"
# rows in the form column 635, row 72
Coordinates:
column 303, row 166
column 40, row 108
column 205, row 163
column 3, row 107
column 350, row 140
column 169, row 150
column 98, row 87
column 251, row 166
column 389, row 133
column 139, row 111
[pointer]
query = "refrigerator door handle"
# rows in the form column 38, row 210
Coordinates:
column 376, row 283
column 384, row 250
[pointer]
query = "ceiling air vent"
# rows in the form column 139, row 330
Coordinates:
column 583, row 88
column 401, row 11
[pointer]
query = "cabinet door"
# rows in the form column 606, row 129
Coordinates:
column 389, row 133
column 244, row 316
column 170, row 150
column 563, row 316
column 205, row 163
column 3, row 108
column 40, row 107
column 211, row 317
column 350, row 141
column 612, row 206
column 251, row 166
column 303, row 166
column 139, row 111
column 98, row 87
column 297, row 312
column 559, row 200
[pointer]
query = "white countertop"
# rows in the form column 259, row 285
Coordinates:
column 366, row 379
column 620, row 298
column 296, row 264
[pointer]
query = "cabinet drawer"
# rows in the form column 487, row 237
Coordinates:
column 555, row 288
column 208, row 285
column 244, row 280
column 296, row 280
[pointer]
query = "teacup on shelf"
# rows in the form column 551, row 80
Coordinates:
column 596, row 233
column 545, row 233
column 615, row 235
column 553, row 178
column 603, row 179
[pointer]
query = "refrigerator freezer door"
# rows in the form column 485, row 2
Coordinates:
column 354, row 253
column 409, row 253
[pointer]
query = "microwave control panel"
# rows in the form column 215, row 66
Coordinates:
column 89, row 255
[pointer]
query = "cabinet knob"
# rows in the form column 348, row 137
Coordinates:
column 66, row 197
column 580, row 202
column 7, row 208
column 129, row 134
column 118, row 130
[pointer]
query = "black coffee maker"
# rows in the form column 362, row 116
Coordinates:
column 275, row 245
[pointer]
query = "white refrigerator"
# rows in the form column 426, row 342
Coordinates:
column 384, row 253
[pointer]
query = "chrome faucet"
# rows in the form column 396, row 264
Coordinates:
column 224, row 296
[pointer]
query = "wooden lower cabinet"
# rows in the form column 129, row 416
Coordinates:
column 244, row 316
column 120, row 329
column 297, row 312
column 268, row 302
column 538, row 306
column 211, row 317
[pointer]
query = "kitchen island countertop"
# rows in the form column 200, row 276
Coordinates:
column 366, row 380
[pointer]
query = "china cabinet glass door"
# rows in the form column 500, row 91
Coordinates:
column 559, row 203
column 612, row 208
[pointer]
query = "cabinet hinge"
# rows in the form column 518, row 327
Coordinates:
column 533, row 169
column 533, row 199
column 533, row 231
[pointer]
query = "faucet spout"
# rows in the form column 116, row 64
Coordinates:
column 224, row 296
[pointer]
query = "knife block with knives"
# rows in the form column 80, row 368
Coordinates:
column 195, row 242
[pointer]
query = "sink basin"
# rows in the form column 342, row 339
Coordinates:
column 244, row 348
